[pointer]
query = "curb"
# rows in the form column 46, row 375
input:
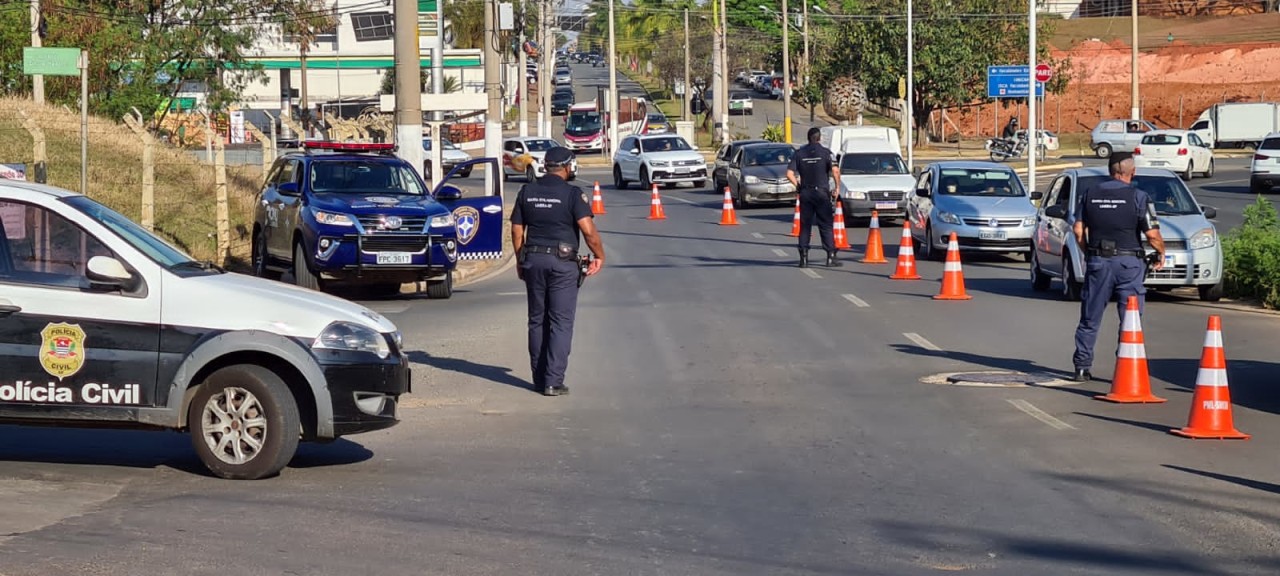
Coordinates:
column 1047, row 167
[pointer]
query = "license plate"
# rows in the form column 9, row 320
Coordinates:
column 1158, row 163
column 395, row 258
column 735, row 106
column 779, row 189
column 682, row 170
column 991, row 235
column 886, row 205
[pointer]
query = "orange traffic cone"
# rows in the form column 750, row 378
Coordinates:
column 655, row 206
column 1132, row 383
column 838, row 229
column 727, row 216
column 795, row 222
column 597, row 201
column 906, row 256
column 952, row 275
column 875, row 246
column 1211, row 403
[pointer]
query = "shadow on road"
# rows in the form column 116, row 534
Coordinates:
column 1161, row 428
column 1253, row 384
column 496, row 374
column 1246, row 482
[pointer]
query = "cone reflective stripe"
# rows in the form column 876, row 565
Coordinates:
column 952, row 275
column 875, row 245
column 1211, row 404
column 1131, row 383
column 795, row 221
column 655, row 206
column 906, row 257
column 727, row 216
column 840, row 236
column 597, row 201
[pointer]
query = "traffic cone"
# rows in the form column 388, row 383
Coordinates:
column 795, row 222
column 597, row 201
column 1132, row 383
column 655, row 206
column 838, row 229
column 1211, row 403
column 727, row 216
column 906, row 256
column 875, row 246
column 952, row 275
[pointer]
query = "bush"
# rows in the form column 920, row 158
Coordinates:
column 1251, row 255
column 772, row 133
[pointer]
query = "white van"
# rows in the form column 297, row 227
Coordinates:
column 873, row 177
column 837, row 138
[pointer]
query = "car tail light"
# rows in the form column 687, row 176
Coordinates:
column 1137, row 151
column 1182, row 151
column 1261, row 157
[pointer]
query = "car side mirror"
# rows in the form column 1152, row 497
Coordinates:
column 107, row 272
column 1209, row 212
column 634, row 151
column 1037, row 195
column 1056, row 211
column 448, row 192
column 288, row 189
column 923, row 192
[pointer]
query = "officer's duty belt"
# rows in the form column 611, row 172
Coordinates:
column 1114, row 253
column 541, row 250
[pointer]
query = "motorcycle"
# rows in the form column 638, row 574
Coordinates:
column 1002, row 149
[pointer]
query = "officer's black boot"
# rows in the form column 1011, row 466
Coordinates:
column 1083, row 375
column 832, row 261
column 804, row 258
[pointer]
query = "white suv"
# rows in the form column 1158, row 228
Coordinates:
column 1265, row 172
column 665, row 159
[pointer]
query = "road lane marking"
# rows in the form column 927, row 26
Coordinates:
column 920, row 340
column 810, row 273
column 1039, row 414
column 780, row 252
column 856, row 301
column 677, row 198
column 511, row 293
column 757, row 235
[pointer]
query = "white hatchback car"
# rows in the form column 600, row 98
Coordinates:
column 664, row 159
column 1178, row 151
column 1264, row 173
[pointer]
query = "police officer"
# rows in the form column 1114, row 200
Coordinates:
column 1112, row 218
column 810, row 167
column 545, row 223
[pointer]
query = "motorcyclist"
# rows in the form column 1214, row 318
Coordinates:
column 1011, row 129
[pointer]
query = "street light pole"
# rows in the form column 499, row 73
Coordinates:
column 722, row 97
column 1032, row 133
column 786, row 74
column 804, row 75
column 408, row 95
column 524, row 72
column 1136, row 110
column 911, row 86
column 685, row 112
column 613, row 86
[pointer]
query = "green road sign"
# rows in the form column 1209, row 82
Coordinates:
column 51, row 61
column 426, row 6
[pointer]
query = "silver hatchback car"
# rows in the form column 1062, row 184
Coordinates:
column 984, row 203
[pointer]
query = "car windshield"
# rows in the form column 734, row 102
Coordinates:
column 880, row 163
column 979, row 182
column 541, row 145
column 1168, row 193
column 1162, row 139
column 580, row 123
column 364, row 177
column 670, row 144
column 767, row 155
column 446, row 144
column 562, row 97
column 657, row 119
column 739, row 96
column 153, row 246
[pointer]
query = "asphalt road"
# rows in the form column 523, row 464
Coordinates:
column 731, row 414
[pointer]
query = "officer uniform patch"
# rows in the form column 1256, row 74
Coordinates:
column 62, row 349
column 468, row 223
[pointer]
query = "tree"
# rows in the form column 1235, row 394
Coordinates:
column 302, row 22
column 466, row 19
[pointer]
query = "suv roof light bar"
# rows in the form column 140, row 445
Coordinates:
column 348, row 146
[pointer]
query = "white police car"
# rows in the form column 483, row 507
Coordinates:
column 104, row 324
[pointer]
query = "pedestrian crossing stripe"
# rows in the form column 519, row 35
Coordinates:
column 480, row 255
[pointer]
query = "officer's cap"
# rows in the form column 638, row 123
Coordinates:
column 557, row 157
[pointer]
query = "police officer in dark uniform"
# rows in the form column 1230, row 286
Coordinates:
column 810, row 167
column 1112, row 218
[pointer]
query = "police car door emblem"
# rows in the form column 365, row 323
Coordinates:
column 391, row 223
column 468, row 223
column 62, row 349
column 492, row 209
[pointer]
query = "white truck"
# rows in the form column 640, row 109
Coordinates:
column 1237, row 124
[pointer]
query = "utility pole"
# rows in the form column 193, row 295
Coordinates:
column 437, row 64
column 524, row 71
column 804, row 74
column 722, row 96
column 408, row 61
column 1032, row 134
column 1136, row 110
column 493, row 88
column 911, row 87
column 717, row 82
column 786, row 74
column 613, row 86
column 37, row 80
column 549, row 77
column 685, row 111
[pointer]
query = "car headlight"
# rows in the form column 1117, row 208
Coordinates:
column 751, row 179
column 660, row 163
column 857, row 194
column 333, row 219
column 948, row 217
column 1203, row 239
column 353, row 337
column 1029, row 221
column 443, row 221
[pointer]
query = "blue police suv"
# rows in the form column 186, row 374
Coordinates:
column 353, row 213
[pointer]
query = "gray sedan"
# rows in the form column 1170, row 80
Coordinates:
column 758, row 174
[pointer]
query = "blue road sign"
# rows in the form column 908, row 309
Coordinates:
column 1011, row 82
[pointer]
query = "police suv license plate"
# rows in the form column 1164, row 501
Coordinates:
column 395, row 258
column 682, row 170
column 886, row 205
column 991, row 235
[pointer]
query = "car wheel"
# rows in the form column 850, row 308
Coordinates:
column 1257, row 188
column 699, row 184
column 645, row 184
column 259, row 257
column 441, row 289
column 1211, row 293
column 1209, row 173
column 302, row 275
column 244, row 422
column 1070, row 288
column 1039, row 281
column 1103, row 150
column 618, row 181
column 384, row 289
column 1190, row 172
column 739, row 202
column 927, row 250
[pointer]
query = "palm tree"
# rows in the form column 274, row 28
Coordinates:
column 303, row 21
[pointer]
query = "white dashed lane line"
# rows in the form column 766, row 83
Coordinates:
column 757, row 235
column 856, row 301
column 1039, row 414
column 810, row 273
column 780, row 252
column 921, row 341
